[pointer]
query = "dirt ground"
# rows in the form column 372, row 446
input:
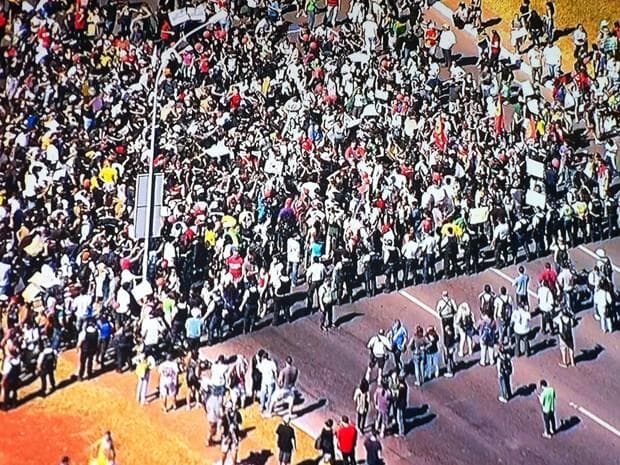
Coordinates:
column 71, row 420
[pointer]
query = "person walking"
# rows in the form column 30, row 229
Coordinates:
column 285, row 440
column 346, row 434
column 565, row 323
column 361, row 398
column 231, row 433
column 286, row 387
column 488, row 338
column 603, row 304
column 383, row 400
column 547, row 399
column 325, row 443
column 520, row 321
column 315, row 275
column 268, row 375
column 449, row 349
column 432, row 353
column 46, row 366
column 504, row 372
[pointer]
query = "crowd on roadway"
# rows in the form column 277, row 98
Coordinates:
column 500, row 326
column 355, row 145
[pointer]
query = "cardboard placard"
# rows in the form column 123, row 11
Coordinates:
column 478, row 215
column 535, row 168
column 535, row 199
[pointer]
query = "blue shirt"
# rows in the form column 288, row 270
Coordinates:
column 399, row 337
column 521, row 283
column 193, row 328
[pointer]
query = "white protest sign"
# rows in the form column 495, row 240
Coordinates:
column 535, row 199
column 535, row 168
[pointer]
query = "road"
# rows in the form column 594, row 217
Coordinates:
column 460, row 420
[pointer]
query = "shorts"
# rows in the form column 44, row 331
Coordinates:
column 168, row 389
column 376, row 361
column 285, row 457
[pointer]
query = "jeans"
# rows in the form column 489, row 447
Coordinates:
column 266, row 392
column 484, row 351
column 142, row 389
column 418, row 368
column 519, row 339
column 293, row 272
column 400, row 419
column 432, row 364
column 428, row 270
column 504, row 387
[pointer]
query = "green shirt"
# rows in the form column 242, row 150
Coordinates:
column 547, row 399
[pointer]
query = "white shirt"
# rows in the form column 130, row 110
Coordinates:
column 447, row 39
column 545, row 299
column 218, row 374
column 379, row 345
column 268, row 371
column 151, row 327
column 553, row 55
column 521, row 321
column 315, row 272
column 81, row 304
column 293, row 250
column 123, row 299
column 370, row 29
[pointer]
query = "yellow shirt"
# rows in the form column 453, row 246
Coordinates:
column 108, row 174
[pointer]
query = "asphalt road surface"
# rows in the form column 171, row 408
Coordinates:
column 460, row 420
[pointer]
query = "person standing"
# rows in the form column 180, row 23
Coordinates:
column 361, row 398
column 383, row 400
column 521, row 283
column 268, row 374
column 315, row 275
column 504, row 372
column 379, row 346
column 249, row 306
column 546, row 304
column 293, row 258
column 143, row 372
column 464, row 324
column 325, row 443
column 46, row 366
column 398, row 337
column 400, row 404
column 326, row 305
column 449, row 349
column 169, row 382
column 88, row 343
column 286, row 391
column 520, row 321
column 346, row 434
column 374, row 450
column 547, row 401
column 418, row 349
column 285, row 435
column 603, row 304
column 488, row 337
column 432, row 353
column 193, row 329
column 565, row 323
column 447, row 40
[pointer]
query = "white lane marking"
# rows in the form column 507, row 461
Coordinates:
column 599, row 421
column 419, row 303
column 587, row 251
column 501, row 274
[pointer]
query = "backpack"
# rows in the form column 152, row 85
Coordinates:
column 505, row 366
column 506, row 310
column 487, row 335
column 486, row 307
column 48, row 364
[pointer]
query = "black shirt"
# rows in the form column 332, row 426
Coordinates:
column 286, row 437
column 372, row 451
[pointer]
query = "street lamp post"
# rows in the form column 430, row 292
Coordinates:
column 151, row 174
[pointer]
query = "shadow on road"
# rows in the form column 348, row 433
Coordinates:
column 568, row 423
column 257, row 458
column 525, row 390
column 587, row 355
column 347, row 318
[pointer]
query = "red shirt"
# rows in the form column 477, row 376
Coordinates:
column 234, row 266
column 235, row 101
column 550, row 276
column 347, row 437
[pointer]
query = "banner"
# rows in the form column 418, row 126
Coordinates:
column 535, row 168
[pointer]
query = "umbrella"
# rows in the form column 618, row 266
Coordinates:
column 229, row 221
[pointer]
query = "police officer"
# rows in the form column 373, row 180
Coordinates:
column 249, row 305
column 281, row 306
column 391, row 259
column 46, row 366
column 450, row 251
column 88, row 343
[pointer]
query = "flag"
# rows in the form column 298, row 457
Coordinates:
column 499, row 116
column 441, row 139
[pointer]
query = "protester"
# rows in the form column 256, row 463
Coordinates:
column 346, row 435
column 361, row 398
column 547, row 401
column 286, row 441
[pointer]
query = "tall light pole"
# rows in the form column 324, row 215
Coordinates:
column 163, row 61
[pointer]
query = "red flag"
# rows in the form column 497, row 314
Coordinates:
column 441, row 139
column 499, row 116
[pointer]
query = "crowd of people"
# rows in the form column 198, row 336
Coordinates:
column 297, row 149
